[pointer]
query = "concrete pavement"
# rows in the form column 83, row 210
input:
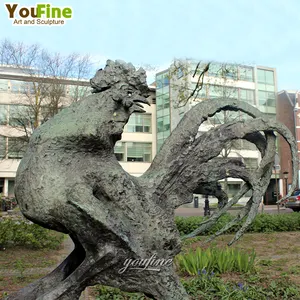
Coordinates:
column 190, row 211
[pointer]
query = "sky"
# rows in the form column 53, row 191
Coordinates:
column 153, row 33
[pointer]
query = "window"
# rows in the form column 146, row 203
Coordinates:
column 120, row 151
column 16, row 147
column 133, row 151
column 77, row 92
column 215, row 70
column 241, row 144
column 179, row 73
column 247, row 96
column 218, row 91
column 159, row 144
column 11, row 188
column 230, row 72
column 215, row 92
column 32, row 88
column 3, row 85
column 3, row 114
column 162, row 102
column 18, row 87
column 163, row 124
column 266, row 87
column 139, row 151
column 199, row 93
column 225, row 117
column 2, row 147
column 165, row 80
column 266, row 98
column 251, row 163
column 162, row 80
column 19, row 115
column 233, row 189
column 265, row 76
column 139, row 123
column 246, row 74
column 1, row 185
column 223, row 70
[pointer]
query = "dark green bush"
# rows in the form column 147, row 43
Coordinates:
column 262, row 223
column 186, row 225
column 27, row 234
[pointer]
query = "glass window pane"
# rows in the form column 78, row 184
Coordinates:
column 215, row 91
column 199, row 93
column 251, row 163
column 19, row 115
column 18, row 87
column 229, row 71
column 3, row 85
column 269, row 77
column 247, row 96
column 119, row 151
column 16, row 147
column 141, row 152
column 3, row 114
column 246, row 73
column 2, row 146
column 165, row 80
column 261, row 76
column 160, row 124
column 215, row 70
column 139, row 123
column 270, row 88
column 11, row 188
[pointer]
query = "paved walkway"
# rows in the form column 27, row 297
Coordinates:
column 191, row 211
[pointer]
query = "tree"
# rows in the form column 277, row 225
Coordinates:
column 79, row 187
column 48, row 82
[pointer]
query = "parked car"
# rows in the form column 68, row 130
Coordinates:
column 293, row 202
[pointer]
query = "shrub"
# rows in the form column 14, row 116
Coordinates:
column 24, row 233
column 262, row 223
column 215, row 260
column 186, row 225
column 207, row 286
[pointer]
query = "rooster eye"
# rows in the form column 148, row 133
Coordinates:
column 129, row 94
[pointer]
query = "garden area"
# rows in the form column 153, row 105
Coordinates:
column 263, row 264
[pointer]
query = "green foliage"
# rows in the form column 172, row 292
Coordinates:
column 277, row 222
column 210, row 287
column 215, row 260
column 207, row 286
column 23, row 233
column 262, row 223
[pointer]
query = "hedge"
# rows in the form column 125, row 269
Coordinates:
column 27, row 234
column 262, row 223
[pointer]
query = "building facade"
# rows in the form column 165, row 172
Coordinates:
column 254, row 85
column 22, row 109
column 288, row 113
